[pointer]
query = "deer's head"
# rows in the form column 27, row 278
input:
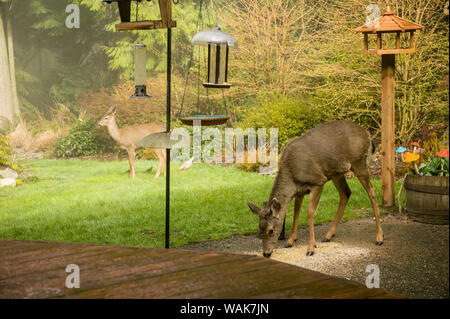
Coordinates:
column 108, row 118
column 270, row 224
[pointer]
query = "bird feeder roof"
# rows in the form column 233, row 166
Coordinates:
column 215, row 36
column 389, row 22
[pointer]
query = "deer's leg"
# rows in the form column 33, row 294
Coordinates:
column 344, row 194
column 313, row 203
column 164, row 153
column 131, row 156
column 363, row 176
column 162, row 158
column 297, row 207
column 158, row 153
column 282, row 234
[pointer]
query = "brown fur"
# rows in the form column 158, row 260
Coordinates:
column 323, row 153
column 129, row 136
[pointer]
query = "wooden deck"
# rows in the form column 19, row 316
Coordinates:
column 32, row 269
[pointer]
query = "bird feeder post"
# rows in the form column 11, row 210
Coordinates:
column 388, row 23
column 165, row 22
column 388, row 129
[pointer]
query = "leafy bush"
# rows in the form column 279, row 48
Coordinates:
column 80, row 141
column 5, row 151
column 291, row 116
column 84, row 139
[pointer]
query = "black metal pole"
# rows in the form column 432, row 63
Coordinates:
column 169, row 69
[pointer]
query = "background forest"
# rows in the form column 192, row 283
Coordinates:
column 298, row 64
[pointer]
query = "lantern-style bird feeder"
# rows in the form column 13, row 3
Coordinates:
column 218, row 43
column 388, row 23
column 140, row 71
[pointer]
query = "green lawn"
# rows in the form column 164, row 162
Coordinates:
column 96, row 202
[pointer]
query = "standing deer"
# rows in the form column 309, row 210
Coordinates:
column 129, row 136
column 321, row 154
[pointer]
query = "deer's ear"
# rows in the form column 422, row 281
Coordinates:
column 275, row 206
column 111, row 110
column 255, row 209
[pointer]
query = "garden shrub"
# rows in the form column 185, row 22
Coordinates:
column 5, row 151
column 292, row 116
column 84, row 139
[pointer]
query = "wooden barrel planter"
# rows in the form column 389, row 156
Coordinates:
column 427, row 199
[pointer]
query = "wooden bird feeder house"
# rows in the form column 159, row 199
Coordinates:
column 126, row 24
column 387, row 24
column 218, row 43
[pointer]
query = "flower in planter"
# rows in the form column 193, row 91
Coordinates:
column 443, row 154
column 412, row 158
column 435, row 166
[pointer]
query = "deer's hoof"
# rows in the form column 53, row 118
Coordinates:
column 309, row 253
column 267, row 255
column 326, row 240
column 379, row 243
column 287, row 245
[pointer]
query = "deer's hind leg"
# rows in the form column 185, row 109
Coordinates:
column 362, row 172
column 344, row 194
column 297, row 207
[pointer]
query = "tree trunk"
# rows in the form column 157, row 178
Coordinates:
column 12, row 67
column 6, row 100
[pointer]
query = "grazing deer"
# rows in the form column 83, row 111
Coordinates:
column 129, row 136
column 323, row 153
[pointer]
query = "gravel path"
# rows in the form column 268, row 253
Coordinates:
column 414, row 259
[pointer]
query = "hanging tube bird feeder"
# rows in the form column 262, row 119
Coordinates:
column 140, row 71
